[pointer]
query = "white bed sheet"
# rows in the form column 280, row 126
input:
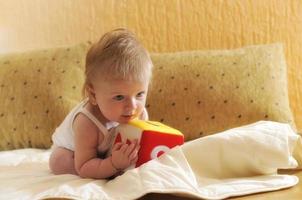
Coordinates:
column 236, row 162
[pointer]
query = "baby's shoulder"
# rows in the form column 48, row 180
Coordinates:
column 84, row 126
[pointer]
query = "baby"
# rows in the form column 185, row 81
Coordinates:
column 118, row 71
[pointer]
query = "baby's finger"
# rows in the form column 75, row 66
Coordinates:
column 124, row 147
column 117, row 146
column 134, row 161
column 130, row 149
column 137, row 144
column 133, row 154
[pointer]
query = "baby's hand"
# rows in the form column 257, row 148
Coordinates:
column 124, row 155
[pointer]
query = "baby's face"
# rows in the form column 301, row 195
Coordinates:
column 120, row 100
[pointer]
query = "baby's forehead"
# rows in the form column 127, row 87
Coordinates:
column 118, row 86
column 123, row 75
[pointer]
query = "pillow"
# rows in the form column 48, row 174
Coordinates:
column 38, row 88
column 204, row 92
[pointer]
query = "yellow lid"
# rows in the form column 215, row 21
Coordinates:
column 154, row 126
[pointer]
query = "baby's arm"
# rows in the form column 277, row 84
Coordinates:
column 87, row 164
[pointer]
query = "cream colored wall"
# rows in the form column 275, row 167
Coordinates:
column 162, row 25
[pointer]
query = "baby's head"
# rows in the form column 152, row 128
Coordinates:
column 118, row 72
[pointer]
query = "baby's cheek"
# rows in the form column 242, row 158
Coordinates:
column 141, row 115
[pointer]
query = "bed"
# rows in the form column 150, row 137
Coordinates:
column 231, row 105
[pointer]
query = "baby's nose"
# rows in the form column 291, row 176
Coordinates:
column 131, row 104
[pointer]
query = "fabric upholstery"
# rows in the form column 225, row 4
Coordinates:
column 38, row 88
column 204, row 92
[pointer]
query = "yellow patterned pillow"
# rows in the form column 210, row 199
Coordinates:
column 38, row 88
column 204, row 92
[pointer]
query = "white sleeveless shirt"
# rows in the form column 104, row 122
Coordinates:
column 64, row 134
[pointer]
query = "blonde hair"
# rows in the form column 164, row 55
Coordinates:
column 118, row 55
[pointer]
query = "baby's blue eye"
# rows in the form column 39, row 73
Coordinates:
column 140, row 94
column 118, row 97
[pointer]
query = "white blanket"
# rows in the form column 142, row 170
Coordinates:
column 239, row 161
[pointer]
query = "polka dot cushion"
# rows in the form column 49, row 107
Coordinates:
column 37, row 90
column 204, row 92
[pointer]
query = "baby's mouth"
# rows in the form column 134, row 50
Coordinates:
column 128, row 116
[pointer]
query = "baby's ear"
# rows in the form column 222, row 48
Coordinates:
column 91, row 94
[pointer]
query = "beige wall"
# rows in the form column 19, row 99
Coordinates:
column 162, row 25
